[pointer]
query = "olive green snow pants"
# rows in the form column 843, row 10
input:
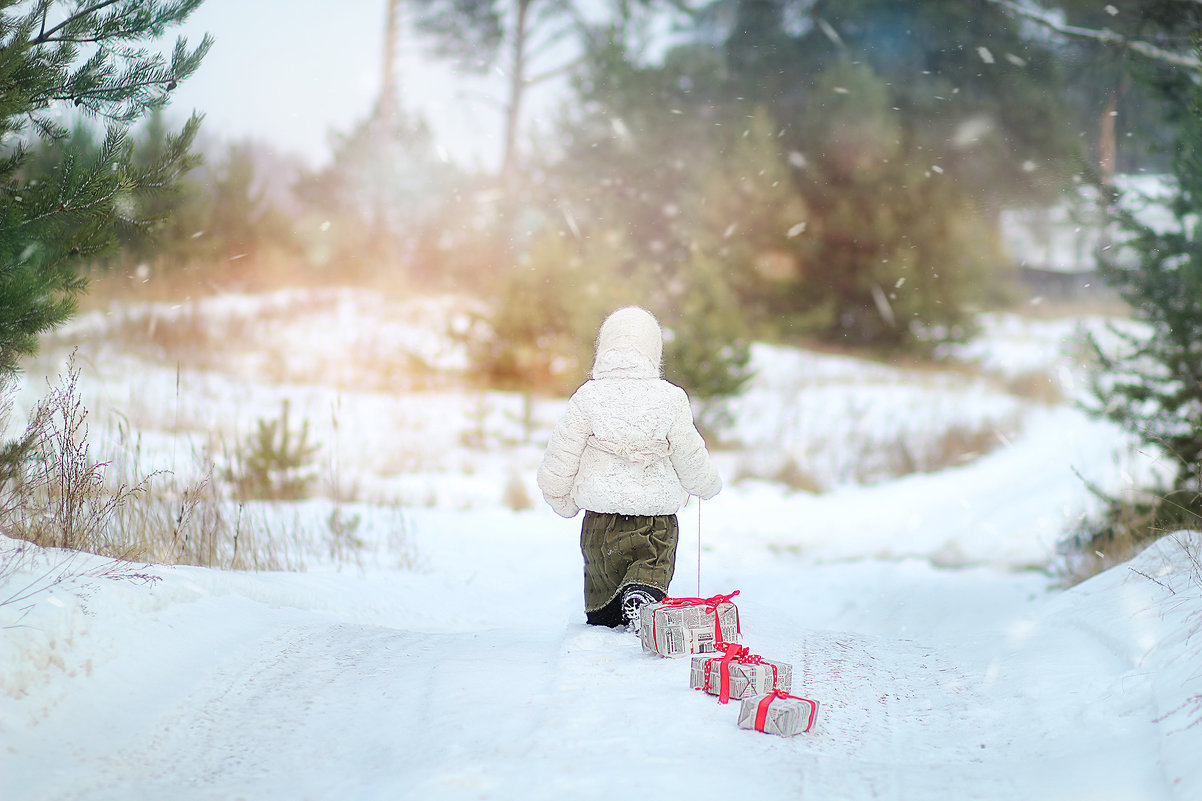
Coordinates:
column 620, row 550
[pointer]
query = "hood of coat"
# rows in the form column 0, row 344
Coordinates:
column 629, row 345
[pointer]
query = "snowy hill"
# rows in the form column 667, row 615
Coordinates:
column 945, row 666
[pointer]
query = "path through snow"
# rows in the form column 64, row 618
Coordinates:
column 970, row 684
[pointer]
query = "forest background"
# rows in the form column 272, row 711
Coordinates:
column 828, row 174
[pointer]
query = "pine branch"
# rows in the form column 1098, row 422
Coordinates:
column 76, row 17
column 134, row 27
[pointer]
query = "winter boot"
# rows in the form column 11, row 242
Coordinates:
column 635, row 598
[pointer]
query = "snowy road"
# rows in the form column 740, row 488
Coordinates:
column 970, row 684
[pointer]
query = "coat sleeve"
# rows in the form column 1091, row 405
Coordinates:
column 697, row 473
column 561, row 461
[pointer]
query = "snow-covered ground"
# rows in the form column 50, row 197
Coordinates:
column 922, row 612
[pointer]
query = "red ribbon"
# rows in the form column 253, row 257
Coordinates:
column 756, row 659
column 711, row 606
column 732, row 653
column 761, row 712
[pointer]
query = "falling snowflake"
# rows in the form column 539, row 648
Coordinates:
column 797, row 229
column 985, row 55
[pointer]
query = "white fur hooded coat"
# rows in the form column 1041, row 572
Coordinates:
column 627, row 443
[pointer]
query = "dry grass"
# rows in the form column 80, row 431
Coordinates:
column 170, row 282
column 1085, row 555
column 1037, row 386
column 954, row 446
column 788, row 473
column 57, row 495
column 1126, row 526
column 873, row 460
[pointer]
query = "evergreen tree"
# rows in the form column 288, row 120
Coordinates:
column 967, row 87
column 384, row 192
column 859, row 237
column 1152, row 383
column 56, row 57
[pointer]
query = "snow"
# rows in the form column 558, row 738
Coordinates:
column 1066, row 237
column 922, row 611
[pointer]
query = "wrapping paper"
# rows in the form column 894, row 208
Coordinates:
column 778, row 713
column 684, row 626
column 747, row 677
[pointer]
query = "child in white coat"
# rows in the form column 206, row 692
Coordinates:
column 628, row 453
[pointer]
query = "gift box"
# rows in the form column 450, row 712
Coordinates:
column 684, row 626
column 739, row 673
column 778, row 713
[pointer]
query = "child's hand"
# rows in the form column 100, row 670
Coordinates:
column 564, row 507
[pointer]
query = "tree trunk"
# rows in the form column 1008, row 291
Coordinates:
column 517, row 90
column 389, row 102
column 1106, row 142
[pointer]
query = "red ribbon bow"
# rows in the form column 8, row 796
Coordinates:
column 711, row 605
column 733, row 652
column 761, row 711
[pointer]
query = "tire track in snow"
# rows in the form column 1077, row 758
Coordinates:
column 901, row 720
column 329, row 711
column 889, row 710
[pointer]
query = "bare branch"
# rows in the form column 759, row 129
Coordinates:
column 1042, row 16
column 555, row 72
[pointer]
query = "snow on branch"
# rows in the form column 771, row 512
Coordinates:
column 1032, row 11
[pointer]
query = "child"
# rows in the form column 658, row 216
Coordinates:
column 627, row 452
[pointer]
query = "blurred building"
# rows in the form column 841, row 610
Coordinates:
column 1056, row 249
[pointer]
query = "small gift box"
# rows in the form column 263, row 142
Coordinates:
column 779, row 713
column 683, row 626
column 739, row 673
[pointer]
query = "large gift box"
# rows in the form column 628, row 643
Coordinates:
column 684, row 626
column 739, row 673
column 779, row 713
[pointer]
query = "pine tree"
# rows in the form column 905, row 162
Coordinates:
column 1152, row 383
column 276, row 462
column 57, row 58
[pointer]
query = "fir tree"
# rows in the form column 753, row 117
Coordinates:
column 275, row 463
column 57, row 58
column 1152, row 383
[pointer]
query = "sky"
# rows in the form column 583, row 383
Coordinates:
column 290, row 72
